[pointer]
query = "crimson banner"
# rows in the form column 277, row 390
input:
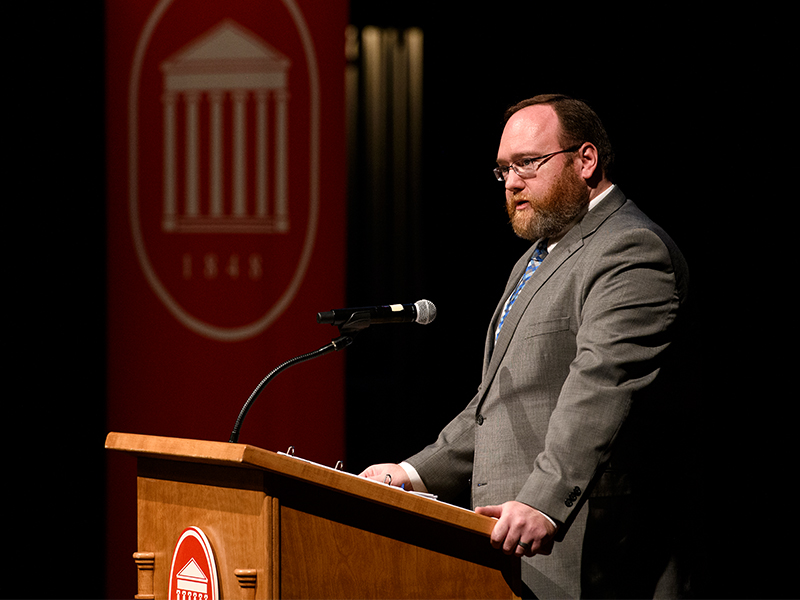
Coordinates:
column 226, row 229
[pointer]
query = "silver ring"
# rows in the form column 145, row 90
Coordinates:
column 524, row 545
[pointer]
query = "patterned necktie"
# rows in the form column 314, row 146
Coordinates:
column 536, row 259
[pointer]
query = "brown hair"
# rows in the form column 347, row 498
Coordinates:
column 579, row 123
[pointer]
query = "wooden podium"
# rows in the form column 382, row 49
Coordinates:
column 283, row 527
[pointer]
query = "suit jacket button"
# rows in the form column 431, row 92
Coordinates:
column 568, row 502
column 479, row 420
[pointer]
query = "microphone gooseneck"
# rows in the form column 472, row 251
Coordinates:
column 350, row 321
column 339, row 343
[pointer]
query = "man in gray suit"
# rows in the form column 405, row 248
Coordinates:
column 563, row 441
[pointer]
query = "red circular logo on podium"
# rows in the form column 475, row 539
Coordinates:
column 193, row 575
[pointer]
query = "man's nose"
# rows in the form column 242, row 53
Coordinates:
column 514, row 182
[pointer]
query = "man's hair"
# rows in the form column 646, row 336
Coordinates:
column 579, row 123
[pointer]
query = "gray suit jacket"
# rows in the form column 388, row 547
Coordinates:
column 563, row 412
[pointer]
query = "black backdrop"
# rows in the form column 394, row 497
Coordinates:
column 678, row 92
column 644, row 81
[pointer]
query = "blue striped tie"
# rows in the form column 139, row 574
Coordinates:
column 536, row 259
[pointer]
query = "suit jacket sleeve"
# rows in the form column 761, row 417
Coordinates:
column 446, row 465
column 626, row 308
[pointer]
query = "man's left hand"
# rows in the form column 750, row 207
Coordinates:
column 520, row 529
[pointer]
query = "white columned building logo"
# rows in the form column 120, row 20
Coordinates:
column 231, row 66
column 218, row 118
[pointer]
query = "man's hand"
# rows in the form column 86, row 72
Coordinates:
column 388, row 473
column 520, row 529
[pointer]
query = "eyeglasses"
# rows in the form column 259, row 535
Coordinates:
column 527, row 167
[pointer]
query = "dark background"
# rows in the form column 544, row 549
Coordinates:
column 681, row 95
column 690, row 102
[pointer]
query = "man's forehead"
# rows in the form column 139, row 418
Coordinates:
column 531, row 128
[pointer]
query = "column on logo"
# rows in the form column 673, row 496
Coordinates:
column 228, row 64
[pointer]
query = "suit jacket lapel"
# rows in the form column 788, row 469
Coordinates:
column 570, row 244
column 516, row 273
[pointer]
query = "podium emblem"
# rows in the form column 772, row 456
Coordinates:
column 193, row 574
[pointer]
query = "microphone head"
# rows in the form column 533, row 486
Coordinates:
column 426, row 311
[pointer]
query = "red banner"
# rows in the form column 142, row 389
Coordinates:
column 226, row 229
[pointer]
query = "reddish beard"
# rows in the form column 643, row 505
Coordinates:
column 552, row 212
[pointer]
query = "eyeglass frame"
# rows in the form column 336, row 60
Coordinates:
column 501, row 176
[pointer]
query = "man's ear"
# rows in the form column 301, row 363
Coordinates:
column 589, row 162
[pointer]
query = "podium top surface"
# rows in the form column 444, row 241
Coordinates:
column 243, row 455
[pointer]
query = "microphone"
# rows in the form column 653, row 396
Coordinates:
column 422, row 312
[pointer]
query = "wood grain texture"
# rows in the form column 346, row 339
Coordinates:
column 281, row 527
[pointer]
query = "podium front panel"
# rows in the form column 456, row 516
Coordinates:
column 280, row 527
column 230, row 505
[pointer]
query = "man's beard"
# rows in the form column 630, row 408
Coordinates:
column 551, row 212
